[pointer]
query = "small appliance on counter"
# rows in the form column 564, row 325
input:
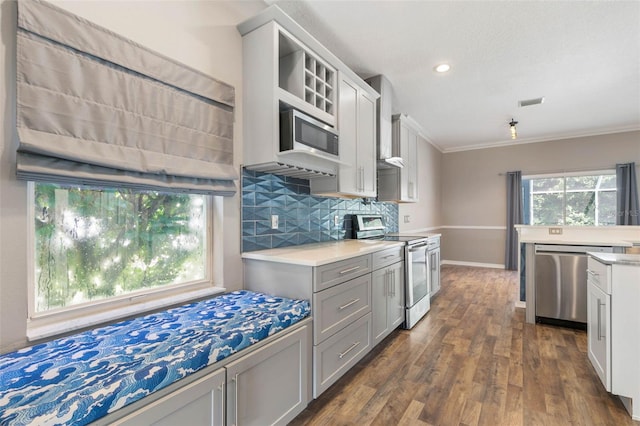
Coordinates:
column 419, row 271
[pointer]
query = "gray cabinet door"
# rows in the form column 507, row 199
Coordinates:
column 271, row 385
column 434, row 271
column 599, row 333
column 387, row 301
column 379, row 312
column 395, row 301
column 198, row 403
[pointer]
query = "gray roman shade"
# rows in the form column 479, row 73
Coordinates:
column 96, row 108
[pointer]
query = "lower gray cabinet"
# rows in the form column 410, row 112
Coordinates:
column 198, row 403
column 341, row 295
column 387, row 302
column 271, row 385
column 337, row 354
column 267, row 386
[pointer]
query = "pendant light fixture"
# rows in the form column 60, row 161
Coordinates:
column 512, row 127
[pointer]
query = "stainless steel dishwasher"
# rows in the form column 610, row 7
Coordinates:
column 561, row 283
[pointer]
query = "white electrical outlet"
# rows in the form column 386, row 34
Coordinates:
column 336, row 220
column 407, row 218
column 274, row 221
column 555, row 231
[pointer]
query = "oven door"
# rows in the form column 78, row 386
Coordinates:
column 417, row 265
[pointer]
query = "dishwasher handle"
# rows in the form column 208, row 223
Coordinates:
column 571, row 249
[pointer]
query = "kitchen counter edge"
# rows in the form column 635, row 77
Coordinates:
column 616, row 258
column 318, row 254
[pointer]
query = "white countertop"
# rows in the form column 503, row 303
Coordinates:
column 320, row 253
column 617, row 258
column 622, row 236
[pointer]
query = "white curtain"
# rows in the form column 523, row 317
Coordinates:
column 96, row 108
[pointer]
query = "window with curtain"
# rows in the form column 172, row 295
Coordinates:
column 124, row 150
column 586, row 199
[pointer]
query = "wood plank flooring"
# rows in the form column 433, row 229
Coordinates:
column 472, row 361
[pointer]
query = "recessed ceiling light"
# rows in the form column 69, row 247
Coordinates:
column 440, row 68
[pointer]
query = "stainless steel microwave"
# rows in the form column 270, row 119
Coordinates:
column 298, row 131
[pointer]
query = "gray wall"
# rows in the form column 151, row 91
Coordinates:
column 199, row 34
column 473, row 193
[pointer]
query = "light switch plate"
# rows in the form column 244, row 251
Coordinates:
column 407, row 218
column 274, row 221
column 555, row 231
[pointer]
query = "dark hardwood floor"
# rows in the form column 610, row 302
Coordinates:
column 472, row 361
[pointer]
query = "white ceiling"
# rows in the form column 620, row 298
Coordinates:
column 582, row 56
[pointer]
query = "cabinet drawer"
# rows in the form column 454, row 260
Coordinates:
column 387, row 257
column 337, row 307
column 339, row 353
column 326, row 276
column 598, row 274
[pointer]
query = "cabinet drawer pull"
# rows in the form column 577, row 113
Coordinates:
column 393, row 276
column 349, row 304
column 352, row 347
column 235, row 402
column 346, row 271
column 600, row 335
column 223, row 401
column 387, row 291
column 592, row 273
column 388, row 256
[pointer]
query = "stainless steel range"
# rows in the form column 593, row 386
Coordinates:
column 418, row 268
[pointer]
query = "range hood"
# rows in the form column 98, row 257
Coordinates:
column 383, row 129
column 390, row 162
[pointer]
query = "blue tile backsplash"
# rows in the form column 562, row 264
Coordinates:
column 303, row 218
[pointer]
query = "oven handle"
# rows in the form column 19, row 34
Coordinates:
column 417, row 247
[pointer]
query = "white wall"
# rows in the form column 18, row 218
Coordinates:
column 201, row 34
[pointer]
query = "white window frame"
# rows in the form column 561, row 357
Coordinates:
column 564, row 192
column 63, row 320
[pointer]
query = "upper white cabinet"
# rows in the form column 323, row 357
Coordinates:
column 357, row 124
column 280, row 74
column 304, row 75
column 401, row 184
column 284, row 67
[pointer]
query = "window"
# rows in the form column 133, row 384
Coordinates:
column 99, row 246
column 582, row 200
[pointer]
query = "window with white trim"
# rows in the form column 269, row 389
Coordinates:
column 585, row 199
column 102, row 249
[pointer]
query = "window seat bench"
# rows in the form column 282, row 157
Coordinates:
column 81, row 378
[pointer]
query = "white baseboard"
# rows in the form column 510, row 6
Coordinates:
column 521, row 304
column 476, row 264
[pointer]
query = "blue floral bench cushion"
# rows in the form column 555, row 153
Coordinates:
column 80, row 378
